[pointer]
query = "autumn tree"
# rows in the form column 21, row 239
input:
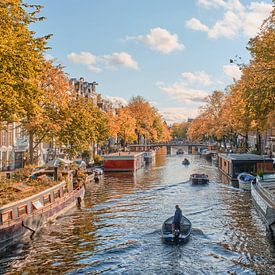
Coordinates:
column 141, row 110
column 179, row 130
column 85, row 124
column 21, row 59
column 126, row 126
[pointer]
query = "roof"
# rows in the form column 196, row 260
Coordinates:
column 123, row 155
column 245, row 157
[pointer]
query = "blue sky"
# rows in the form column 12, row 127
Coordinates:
column 173, row 53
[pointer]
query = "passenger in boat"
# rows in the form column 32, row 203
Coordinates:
column 177, row 218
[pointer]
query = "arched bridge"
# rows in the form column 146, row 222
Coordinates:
column 191, row 148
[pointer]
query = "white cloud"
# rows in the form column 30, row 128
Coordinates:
column 176, row 114
column 237, row 19
column 258, row 12
column 197, row 77
column 121, row 58
column 195, row 24
column 211, row 3
column 117, row 101
column 82, row 58
column 182, row 93
column 232, row 71
column 49, row 57
column 227, row 27
column 160, row 40
column 93, row 69
column 95, row 64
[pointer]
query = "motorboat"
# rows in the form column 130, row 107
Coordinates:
column 245, row 181
column 98, row 171
column 199, row 178
column 180, row 152
column 185, row 162
column 170, row 235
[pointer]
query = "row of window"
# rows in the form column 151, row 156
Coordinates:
column 36, row 205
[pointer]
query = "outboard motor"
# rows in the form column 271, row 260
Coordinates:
column 176, row 236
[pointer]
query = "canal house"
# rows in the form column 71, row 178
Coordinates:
column 231, row 165
column 124, row 162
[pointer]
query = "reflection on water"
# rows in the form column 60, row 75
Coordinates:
column 118, row 229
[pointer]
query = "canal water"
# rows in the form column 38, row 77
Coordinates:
column 117, row 231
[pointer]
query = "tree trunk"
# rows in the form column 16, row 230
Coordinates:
column 259, row 143
column 31, row 147
column 246, row 142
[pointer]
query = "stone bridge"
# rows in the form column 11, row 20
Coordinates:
column 191, row 148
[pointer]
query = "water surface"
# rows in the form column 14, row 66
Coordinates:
column 117, row 231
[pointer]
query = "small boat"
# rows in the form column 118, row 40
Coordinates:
column 199, row 178
column 98, row 171
column 170, row 235
column 185, row 162
column 180, row 152
column 214, row 159
column 245, row 181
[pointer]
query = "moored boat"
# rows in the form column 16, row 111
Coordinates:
column 149, row 156
column 245, row 180
column 28, row 215
column 180, row 152
column 170, row 235
column 214, row 159
column 185, row 162
column 263, row 197
column 199, row 178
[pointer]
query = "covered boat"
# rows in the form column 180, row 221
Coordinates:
column 185, row 162
column 170, row 235
column 199, row 178
column 245, row 181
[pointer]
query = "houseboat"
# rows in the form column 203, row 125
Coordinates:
column 263, row 197
column 123, row 162
column 26, row 216
column 231, row 165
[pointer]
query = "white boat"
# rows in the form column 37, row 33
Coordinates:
column 245, row 180
column 263, row 197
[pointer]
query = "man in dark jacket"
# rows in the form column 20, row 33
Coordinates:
column 177, row 218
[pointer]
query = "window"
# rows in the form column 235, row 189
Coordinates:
column 6, row 216
column 22, row 210
column 36, row 205
column 47, row 199
column 56, row 194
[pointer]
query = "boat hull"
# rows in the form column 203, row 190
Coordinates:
column 265, row 207
column 198, row 179
column 244, row 185
column 168, row 235
column 28, row 225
